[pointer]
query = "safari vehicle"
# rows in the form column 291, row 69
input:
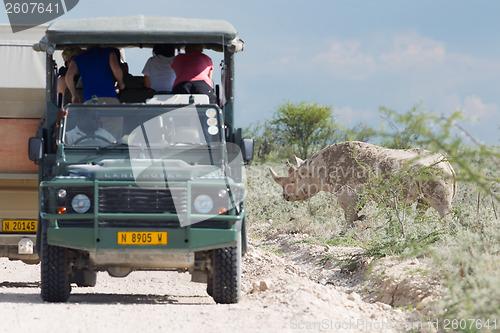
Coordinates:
column 156, row 185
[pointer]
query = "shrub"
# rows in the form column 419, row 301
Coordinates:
column 465, row 255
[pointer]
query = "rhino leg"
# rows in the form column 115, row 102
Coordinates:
column 348, row 201
column 422, row 206
column 439, row 195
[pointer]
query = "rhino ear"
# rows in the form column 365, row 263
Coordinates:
column 277, row 179
column 298, row 161
column 291, row 168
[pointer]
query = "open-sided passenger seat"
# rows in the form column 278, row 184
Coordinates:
column 136, row 95
column 179, row 99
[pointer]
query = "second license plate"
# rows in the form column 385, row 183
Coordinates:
column 28, row 226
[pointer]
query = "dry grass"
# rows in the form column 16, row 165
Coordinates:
column 466, row 256
column 267, row 210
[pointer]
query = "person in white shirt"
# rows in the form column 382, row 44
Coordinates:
column 158, row 73
column 88, row 131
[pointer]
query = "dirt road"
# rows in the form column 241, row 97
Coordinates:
column 279, row 295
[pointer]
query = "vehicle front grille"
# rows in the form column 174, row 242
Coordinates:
column 212, row 225
column 75, row 223
column 139, row 224
column 137, row 200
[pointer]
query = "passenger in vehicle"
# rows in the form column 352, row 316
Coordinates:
column 88, row 131
column 158, row 72
column 193, row 71
column 98, row 68
column 135, row 91
column 62, row 88
column 131, row 82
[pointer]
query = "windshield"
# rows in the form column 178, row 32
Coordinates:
column 145, row 126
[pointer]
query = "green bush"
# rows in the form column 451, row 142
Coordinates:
column 300, row 129
column 465, row 255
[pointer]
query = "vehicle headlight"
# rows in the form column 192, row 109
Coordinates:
column 203, row 204
column 80, row 203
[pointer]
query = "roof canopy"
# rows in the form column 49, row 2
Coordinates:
column 22, row 83
column 139, row 30
column 22, row 38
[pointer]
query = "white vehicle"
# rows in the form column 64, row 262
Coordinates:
column 22, row 106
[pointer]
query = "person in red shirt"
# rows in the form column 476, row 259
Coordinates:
column 193, row 72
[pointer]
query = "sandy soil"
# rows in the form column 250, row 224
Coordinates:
column 284, row 290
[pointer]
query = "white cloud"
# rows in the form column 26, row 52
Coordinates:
column 406, row 51
column 473, row 107
column 481, row 119
column 412, row 51
column 399, row 69
column 348, row 116
column 346, row 60
column 344, row 114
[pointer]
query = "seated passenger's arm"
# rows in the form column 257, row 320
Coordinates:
column 70, row 82
column 147, row 81
column 61, row 85
column 117, row 70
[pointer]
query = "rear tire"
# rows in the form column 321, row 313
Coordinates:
column 55, row 286
column 226, row 279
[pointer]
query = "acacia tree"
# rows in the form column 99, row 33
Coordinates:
column 304, row 125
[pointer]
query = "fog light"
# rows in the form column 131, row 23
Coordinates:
column 80, row 203
column 61, row 194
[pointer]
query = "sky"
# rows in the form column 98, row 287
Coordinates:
column 353, row 55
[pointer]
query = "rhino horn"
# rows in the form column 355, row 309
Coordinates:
column 298, row 161
column 277, row 179
column 291, row 168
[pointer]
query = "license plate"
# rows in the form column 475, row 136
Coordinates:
column 28, row 226
column 142, row 237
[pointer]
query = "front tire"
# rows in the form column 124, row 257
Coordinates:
column 226, row 279
column 55, row 286
column 210, row 285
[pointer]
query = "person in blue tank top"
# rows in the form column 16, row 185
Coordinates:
column 97, row 67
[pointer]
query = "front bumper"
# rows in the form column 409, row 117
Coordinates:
column 181, row 240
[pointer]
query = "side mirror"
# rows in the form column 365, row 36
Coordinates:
column 247, row 149
column 36, row 149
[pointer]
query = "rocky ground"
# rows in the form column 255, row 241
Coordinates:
column 287, row 287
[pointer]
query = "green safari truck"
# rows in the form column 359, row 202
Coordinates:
column 156, row 183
